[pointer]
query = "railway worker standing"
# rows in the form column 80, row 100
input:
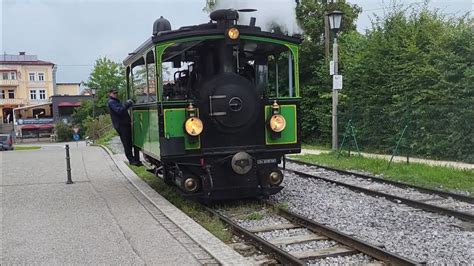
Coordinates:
column 122, row 124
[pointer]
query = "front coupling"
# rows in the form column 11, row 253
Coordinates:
column 241, row 163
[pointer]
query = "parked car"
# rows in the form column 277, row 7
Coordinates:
column 6, row 142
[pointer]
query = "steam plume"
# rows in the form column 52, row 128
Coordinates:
column 270, row 12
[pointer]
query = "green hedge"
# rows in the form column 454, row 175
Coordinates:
column 411, row 69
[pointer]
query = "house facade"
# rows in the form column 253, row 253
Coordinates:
column 25, row 81
column 27, row 87
column 67, row 89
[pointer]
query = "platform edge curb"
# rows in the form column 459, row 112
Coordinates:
column 215, row 247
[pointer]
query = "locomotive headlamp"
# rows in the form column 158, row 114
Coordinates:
column 275, row 178
column 277, row 123
column 193, row 126
column 233, row 33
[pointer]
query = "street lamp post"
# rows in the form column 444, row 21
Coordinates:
column 335, row 19
column 93, row 91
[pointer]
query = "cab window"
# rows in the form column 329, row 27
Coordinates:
column 151, row 80
column 267, row 65
column 139, row 81
column 281, row 81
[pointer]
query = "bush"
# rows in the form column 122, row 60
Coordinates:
column 95, row 129
column 64, row 131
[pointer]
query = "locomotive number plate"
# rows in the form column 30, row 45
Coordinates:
column 266, row 161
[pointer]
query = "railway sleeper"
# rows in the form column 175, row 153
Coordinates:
column 296, row 239
column 325, row 252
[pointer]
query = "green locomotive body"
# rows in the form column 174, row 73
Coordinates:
column 216, row 106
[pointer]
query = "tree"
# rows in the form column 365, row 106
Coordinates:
column 315, row 81
column 106, row 74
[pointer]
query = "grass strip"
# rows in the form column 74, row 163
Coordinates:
column 106, row 138
column 26, row 148
column 193, row 209
column 438, row 177
column 320, row 147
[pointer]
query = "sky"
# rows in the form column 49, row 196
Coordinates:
column 74, row 33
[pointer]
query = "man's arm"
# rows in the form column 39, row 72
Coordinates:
column 118, row 107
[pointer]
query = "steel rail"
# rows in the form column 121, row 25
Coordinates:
column 417, row 204
column 441, row 193
column 362, row 246
column 284, row 257
column 287, row 259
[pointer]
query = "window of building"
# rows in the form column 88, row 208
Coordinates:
column 13, row 75
column 32, row 76
column 4, row 75
column 39, row 112
column 2, row 94
column 42, row 94
column 32, row 94
column 41, row 76
column 11, row 94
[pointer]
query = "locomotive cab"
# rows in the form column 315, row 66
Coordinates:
column 216, row 106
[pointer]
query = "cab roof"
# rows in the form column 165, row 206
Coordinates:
column 207, row 29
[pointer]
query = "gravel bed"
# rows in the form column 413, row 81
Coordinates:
column 313, row 245
column 268, row 219
column 358, row 259
column 408, row 193
column 413, row 233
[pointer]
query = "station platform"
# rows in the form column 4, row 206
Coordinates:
column 108, row 216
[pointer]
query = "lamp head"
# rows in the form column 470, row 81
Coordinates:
column 335, row 19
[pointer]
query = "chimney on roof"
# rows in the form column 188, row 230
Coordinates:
column 22, row 53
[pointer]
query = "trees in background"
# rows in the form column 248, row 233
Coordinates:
column 105, row 75
column 315, row 81
column 412, row 69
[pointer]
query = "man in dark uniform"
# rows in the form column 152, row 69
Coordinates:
column 122, row 124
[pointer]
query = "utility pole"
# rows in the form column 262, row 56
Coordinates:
column 326, row 35
column 335, row 18
column 334, row 97
column 93, row 91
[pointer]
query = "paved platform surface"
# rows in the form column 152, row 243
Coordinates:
column 100, row 219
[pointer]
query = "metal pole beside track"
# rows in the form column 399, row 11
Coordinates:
column 334, row 97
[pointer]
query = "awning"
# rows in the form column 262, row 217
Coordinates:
column 46, row 126
column 31, row 106
column 69, row 104
column 29, row 127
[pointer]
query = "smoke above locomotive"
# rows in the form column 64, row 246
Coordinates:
column 269, row 13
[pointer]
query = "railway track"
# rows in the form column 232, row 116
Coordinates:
column 441, row 202
column 320, row 240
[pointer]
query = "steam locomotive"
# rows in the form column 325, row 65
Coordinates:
column 216, row 105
